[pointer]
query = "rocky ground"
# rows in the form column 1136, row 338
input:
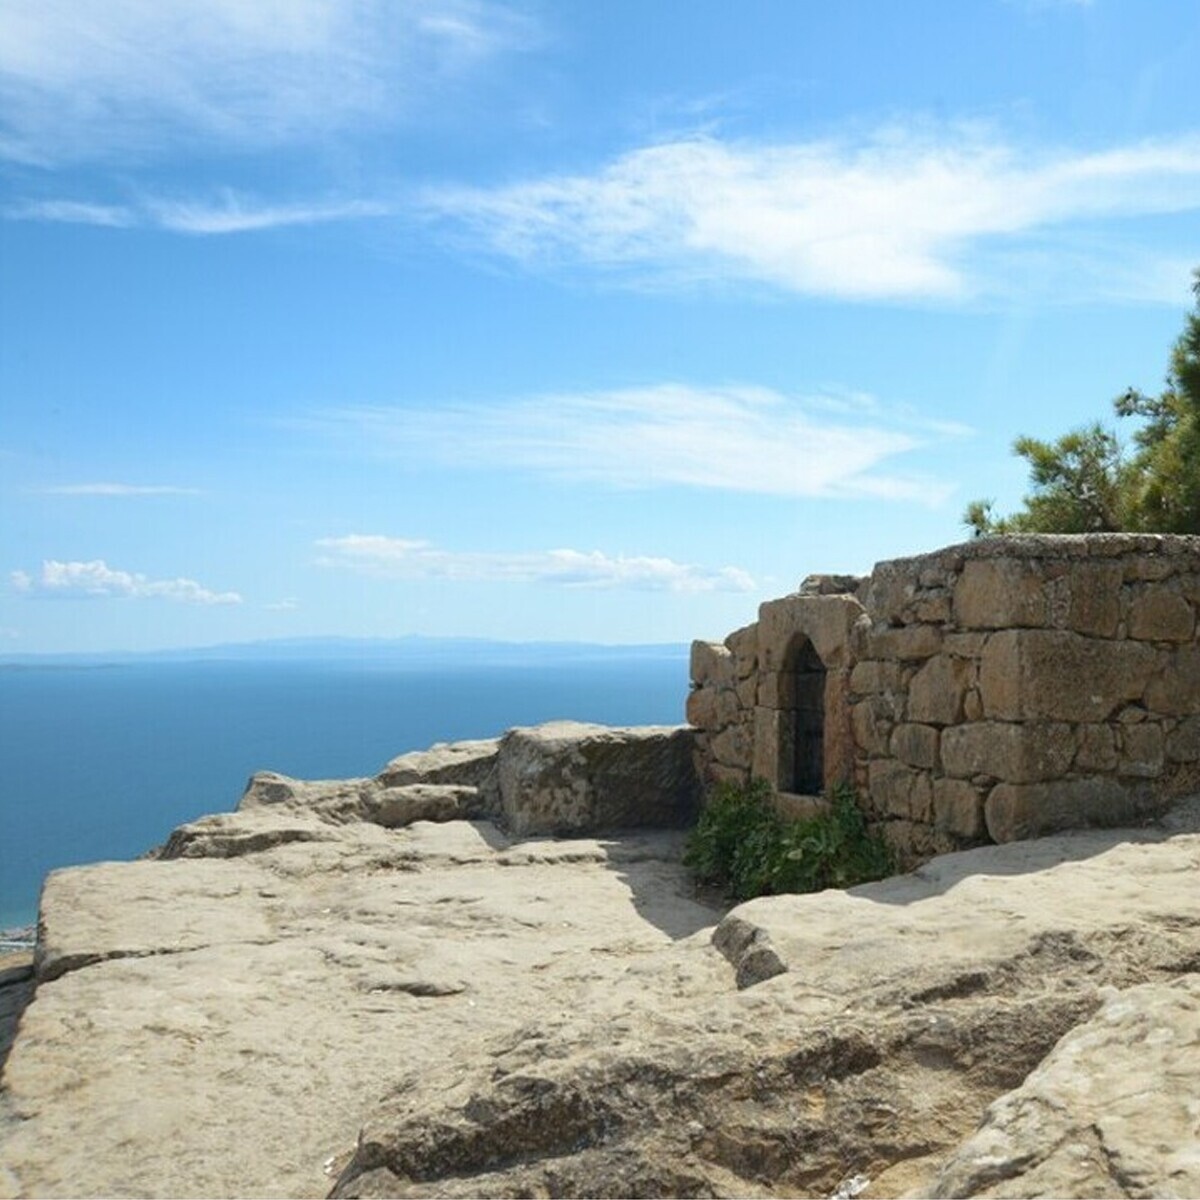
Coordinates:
column 301, row 999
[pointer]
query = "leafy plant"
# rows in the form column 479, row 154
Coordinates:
column 743, row 845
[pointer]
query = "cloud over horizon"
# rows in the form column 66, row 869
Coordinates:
column 96, row 579
column 413, row 558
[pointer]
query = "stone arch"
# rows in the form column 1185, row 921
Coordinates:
column 803, row 687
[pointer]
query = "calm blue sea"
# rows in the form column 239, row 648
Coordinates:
column 103, row 761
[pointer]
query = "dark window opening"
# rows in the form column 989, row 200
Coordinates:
column 808, row 715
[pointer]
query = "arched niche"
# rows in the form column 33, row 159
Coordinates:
column 804, row 712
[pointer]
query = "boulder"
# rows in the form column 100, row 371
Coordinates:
column 568, row 777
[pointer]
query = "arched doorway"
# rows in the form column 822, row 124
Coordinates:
column 807, row 690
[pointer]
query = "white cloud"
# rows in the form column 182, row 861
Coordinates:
column 289, row 604
column 408, row 558
column 117, row 489
column 97, row 579
column 228, row 213
column 900, row 214
column 734, row 438
column 86, row 81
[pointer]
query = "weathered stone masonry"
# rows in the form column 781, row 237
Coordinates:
column 994, row 690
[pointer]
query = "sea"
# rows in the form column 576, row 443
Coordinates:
column 100, row 760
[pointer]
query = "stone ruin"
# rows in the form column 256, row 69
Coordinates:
column 991, row 691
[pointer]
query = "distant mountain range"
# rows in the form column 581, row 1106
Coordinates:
column 412, row 650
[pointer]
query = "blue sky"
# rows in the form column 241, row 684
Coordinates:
column 596, row 321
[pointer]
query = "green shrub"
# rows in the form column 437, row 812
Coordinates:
column 741, row 844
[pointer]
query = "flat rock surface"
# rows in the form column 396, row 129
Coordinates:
column 442, row 1011
column 221, row 1026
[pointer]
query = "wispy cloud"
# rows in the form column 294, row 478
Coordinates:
column 228, row 212
column 408, row 558
column 289, row 604
column 88, row 81
column 117, row 489
column 97, row 579
column 904, row 213
column 735, row 438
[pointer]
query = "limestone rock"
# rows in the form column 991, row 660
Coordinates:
column 566, row 777
column 1111, row 1111
column 472, row 763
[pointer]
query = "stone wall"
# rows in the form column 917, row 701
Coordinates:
column 991, row 691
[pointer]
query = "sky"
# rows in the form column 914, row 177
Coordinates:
column 601, row 320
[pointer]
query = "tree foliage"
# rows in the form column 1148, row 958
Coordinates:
column 1086, row 482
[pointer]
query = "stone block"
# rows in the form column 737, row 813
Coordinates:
column 701, row 709
column 1016, row 811
column 1059, row 675
column 840, row 750
column 1096, row 750
column 774, row 747
column 746, row 692
column 932, row 607
column 900, row 791
column 567, row 777
column 973, row 705
column 907, row 643
column 777, row 689
column 916, row 745
column 711, row 665
column 1160, row 615
column 875, row 676
column 1015, row 753
column 1142, row 750
column 936, row 693
column 999, row 593
column 958, row 808
column 1175, row 690
column 1183, row 742
column 825, row 620
column 743, row 645
column 964, row 645
column 1086, row 598
column 871, row 726
column 733, row 746
column 892, row 589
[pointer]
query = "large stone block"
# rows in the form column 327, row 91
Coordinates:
column 701, row 709
column 1096, row 751
column 1015, row 753
column 872, row 726
column 743, row 645
column 733, row 746
column 1142, row 750
column 567, row 777
column 875, row 676
column 1000, row 593
column 774, row 747
column 1058, row 675
column 1183, row 742
column 937, row 690
column 1086, row 598
column 916, row 745
column 900, row 791
column 908, row 643
column 958, row 808
column 1160, row 615
column 711, row 665
column 1016, row 811
column 1175, row 690
column 825, row 620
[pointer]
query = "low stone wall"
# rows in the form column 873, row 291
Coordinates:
column 995, row 690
